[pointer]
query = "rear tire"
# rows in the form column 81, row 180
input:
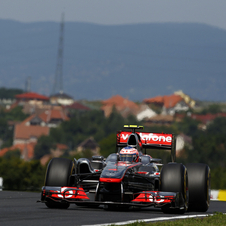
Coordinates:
column 58, row 175
column 174, row 179
column 199, row 186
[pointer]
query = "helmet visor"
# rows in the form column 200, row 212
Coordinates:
column 127, row 157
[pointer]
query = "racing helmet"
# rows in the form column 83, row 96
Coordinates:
column 129, row 154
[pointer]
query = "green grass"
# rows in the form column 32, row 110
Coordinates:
column 218, row 219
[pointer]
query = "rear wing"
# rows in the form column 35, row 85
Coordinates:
column 150, row 140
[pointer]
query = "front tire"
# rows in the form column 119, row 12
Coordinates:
column 58, row 174
column 174, row 179
column 199, row 186
column 57, row 205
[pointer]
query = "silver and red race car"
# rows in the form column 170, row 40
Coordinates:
column 129, row 178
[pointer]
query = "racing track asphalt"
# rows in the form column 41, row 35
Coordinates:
column 21, row 208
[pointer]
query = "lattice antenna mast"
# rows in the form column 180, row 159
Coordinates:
column 58, row 82
column 28, row 84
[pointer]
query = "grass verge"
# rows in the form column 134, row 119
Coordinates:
column 218, row 219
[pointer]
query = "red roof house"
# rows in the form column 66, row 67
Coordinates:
column 170, row 103
column 31, row 96
column 26, row 150
column 30, row 102
column 27, row 132
column 122, row 105
column 31, row 133
column 53, row 116
column 77, row 106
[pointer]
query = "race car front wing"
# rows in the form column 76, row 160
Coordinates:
column 77, row 195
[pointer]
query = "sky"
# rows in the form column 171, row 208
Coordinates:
column 112, row 12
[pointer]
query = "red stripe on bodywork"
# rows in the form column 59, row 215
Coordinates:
column 150, row 198
column 142, row 172
column 111, row 180
column 70, row 194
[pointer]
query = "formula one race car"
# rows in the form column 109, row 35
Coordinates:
column 129, row 178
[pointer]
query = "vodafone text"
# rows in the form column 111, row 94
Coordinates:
column 151, row 137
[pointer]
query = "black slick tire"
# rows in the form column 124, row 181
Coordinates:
column 174, row 179
column 58, row 175
column 199, row 186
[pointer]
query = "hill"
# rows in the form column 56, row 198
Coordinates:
column 136, row 61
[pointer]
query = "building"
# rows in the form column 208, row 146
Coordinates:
column 27, row 132
column 122, row 105
column 170, row 104
column 31, row 102
column 26, row 150
column 145, row 112
column 61, row 99
column 52, row 117
column 76, row 107
column 32, row 98
column 159, row 120
column 89, row 144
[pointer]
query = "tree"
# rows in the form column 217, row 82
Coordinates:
column 16, row 114
column 218, row 178
column 187, row 126
column 91, row 123
column 212, row 109
column 83, row 154
column 9, row 93
column 209, row 146
column 43, row 146
column 12, row 154
column 20, row 175
column 108, row 145
column 6, row 131
column 218, row 126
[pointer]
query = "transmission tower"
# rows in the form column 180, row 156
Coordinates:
column 58, row 81
column 28, row 84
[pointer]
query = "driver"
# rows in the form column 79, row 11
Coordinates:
column 129, row 154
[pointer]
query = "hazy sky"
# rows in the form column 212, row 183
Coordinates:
column 116, row 11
